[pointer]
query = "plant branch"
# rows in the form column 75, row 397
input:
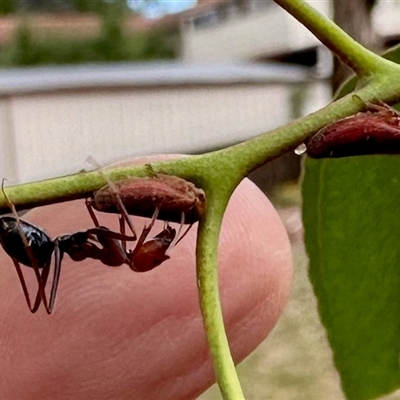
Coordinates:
column 362, row 61
column 207, row 281
column 223, row 167
column 266, row 147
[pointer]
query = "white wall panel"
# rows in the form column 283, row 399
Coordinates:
column 55, row 133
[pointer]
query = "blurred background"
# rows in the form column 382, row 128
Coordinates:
column 115, row 79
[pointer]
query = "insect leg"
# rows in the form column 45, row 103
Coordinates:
column 122, row 230
column 145, row 232
column 89, row 206
column 114, row 193
column 58, row 256
column 30, row 255
column 184, row 234
column 23, row 284
column 177, row 238
column 44, row 276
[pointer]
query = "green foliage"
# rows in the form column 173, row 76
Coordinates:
column 111, row 46
column 94, row 6
column 7, row 7
column 84, row 6
column 25, row 51
column 352, row 242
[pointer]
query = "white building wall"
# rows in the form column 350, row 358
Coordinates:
column 51, row 134
column 267, row 30
column 386, row 16
column 262, row 30
column 8, row 157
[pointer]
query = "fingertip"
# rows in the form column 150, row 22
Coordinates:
column 110, row 319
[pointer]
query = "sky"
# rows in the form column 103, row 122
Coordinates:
column 155, row 9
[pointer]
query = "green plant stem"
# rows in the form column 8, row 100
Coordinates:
column 362, row 61
column 261, row 149
column 207, row 280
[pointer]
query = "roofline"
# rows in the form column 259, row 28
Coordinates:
column 19, row 81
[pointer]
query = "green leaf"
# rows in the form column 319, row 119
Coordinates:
column 352, row 235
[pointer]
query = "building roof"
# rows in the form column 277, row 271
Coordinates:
column 98, row 76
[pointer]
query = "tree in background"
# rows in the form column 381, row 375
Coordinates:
column 354, row 17
column 7, row 7
column 113, row 44
column 81, row 6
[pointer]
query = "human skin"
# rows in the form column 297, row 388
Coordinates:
column 117, row 334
